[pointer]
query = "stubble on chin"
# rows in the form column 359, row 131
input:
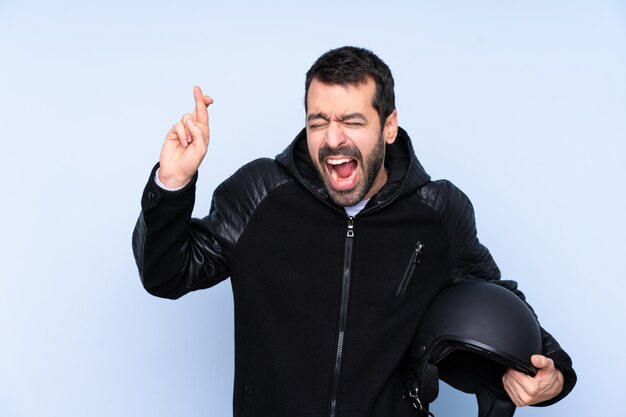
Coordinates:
column 345, row 198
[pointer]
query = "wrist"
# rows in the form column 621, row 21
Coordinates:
column 170, row 184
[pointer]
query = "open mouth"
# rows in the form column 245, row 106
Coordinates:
column 343, row 172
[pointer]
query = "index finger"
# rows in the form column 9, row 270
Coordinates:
column 200, row 113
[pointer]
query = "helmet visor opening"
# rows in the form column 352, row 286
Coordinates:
column 465, row 370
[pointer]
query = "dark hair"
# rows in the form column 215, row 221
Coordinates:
column 350, row 65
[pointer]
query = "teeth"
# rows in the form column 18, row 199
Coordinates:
column 337, row 161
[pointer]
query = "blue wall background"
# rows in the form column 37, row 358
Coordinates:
column 521, row 103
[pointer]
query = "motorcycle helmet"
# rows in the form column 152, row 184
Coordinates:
column 470, row 334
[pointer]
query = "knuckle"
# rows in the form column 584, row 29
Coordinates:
column 532, row 389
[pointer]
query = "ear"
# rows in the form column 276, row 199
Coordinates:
column 390, row 130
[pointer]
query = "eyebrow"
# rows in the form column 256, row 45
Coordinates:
column 342, row 118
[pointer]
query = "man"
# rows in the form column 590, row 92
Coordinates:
column 334, row 250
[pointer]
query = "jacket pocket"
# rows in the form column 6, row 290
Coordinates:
column 410, row 268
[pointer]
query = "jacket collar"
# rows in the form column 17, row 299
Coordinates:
column 406, row 174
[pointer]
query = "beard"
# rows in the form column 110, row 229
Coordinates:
column 369, row 170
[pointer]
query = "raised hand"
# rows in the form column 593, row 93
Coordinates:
column 185, row 144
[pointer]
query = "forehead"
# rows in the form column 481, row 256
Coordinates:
column 335, row 98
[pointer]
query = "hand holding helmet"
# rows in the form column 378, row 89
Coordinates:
column 481, row 338
column 524, row 389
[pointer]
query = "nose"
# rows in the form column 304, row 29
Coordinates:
column 335, row 136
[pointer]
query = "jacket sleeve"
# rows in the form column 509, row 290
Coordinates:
column 176, row 254
column 470, row 260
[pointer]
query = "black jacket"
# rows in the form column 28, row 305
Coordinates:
column 325, row 305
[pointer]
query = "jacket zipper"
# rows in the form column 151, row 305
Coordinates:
column 408, row 272
column 343, row 312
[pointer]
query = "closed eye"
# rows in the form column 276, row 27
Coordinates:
column 353, row 119
column 317, row 125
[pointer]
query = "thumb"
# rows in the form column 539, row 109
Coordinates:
column 540, row 361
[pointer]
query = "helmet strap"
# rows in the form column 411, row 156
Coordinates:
column 423, row 386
